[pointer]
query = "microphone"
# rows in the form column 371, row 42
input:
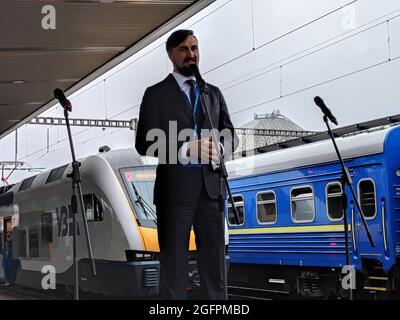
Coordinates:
column 194, row 68
column 325, row 110
column 65, row 103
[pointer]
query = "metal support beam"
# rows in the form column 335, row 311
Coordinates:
column 99, row 123
column 273, row 132
column 131, row 124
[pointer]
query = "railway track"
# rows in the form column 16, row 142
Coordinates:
column 234, row 293
column 20, row 293
column 246, row 293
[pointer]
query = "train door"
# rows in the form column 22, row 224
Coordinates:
column 7, row 234
column 373, row 208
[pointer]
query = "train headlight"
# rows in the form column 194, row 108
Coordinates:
column 398, row 172
column 132, row 255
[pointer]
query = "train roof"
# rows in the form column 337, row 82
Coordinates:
column 351, row 145
column 122, row 158
column 116, row 158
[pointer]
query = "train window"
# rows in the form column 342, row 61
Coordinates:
column 26, row 184
column 47, row 228
column 22, row 243
column 302, row 204
column 334, row 197
column 139, row 183
column 266, row 207
column 239, row 204
column 6, row 199
column 33, row 243
column 56, row 174
column 93, row 208
column 367, row 195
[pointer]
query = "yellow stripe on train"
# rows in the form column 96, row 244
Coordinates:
column 297, row 229
column 150, row 239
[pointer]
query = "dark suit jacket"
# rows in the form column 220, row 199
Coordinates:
column 163, row 103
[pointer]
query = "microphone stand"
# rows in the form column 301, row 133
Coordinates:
column 223, row 174
column 76, row 184
column 346, row 180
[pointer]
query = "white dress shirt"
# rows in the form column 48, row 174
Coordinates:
column 185, row 87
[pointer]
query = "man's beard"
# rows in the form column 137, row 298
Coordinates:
column 185, row 71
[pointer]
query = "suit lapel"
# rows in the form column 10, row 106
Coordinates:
column 177, row 95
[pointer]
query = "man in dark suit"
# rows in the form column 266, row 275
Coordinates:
column 187, row 187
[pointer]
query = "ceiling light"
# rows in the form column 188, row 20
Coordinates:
column 34, row 103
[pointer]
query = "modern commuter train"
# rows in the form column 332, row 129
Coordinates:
column 118, row 201
column 292, row 240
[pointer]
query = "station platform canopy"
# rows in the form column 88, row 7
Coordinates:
column 90, row 38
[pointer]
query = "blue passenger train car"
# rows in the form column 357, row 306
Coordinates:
column 292, row 238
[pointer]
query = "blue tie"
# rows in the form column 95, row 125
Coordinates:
column 192, row 85
column 199, row 116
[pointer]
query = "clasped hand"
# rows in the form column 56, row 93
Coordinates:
column 204, row 150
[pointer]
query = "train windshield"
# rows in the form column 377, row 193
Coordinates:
column 139, row 182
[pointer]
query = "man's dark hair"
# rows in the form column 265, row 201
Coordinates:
column 176, row 38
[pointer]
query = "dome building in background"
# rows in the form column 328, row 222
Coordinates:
column 267, row 129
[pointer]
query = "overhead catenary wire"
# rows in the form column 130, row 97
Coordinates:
column 105, row 98
column 74, row 135
column 279, row 37
column 388, row 39
column 327, row 81
column 316, row 85
column 78, row 143
column 277, row 64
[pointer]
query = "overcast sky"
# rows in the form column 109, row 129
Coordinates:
column 264, row 55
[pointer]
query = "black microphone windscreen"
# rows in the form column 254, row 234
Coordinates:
column 59, row 94
column 65, row 103
column 326, row 111
column 194, row 68
column 318, row 101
